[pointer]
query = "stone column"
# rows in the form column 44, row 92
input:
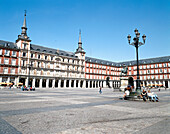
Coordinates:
column 78, row 83
column 33, row 82
column 88, row 84
column 26, row 82
column 16, row 80
column 84, row 84
column 53, row 84
column 75, row 83
column 0, row 79
column 40, row 84
column 104, row 83
column 8, row 80
column 169, row 84
column 47, row 83
column 64, row 83
column 59, row 83
column 164, row 83
column 70, row 83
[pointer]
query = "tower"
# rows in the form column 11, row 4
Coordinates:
column 80, row 51
column 23, row 41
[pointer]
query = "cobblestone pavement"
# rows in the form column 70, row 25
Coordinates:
column 81, row 111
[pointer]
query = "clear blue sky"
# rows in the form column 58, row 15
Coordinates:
column 105, row 25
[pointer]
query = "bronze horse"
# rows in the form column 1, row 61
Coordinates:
column 124, row 70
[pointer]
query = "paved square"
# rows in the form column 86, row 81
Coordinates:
column 81, row 111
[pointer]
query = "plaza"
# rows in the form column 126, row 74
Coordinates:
column 81, row 111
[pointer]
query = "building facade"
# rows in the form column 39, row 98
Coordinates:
column 44, row 67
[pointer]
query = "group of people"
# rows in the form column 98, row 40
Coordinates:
column 149, row 96
column 145, row 95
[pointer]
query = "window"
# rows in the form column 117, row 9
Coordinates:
column 39, row 56
column 165, row 65
column 152, row 71
column 13, row 62
column 0, row 60
column 68, row 60
column 6, row 61
column 161, row 76
column 14, row 53
column 73, row 62
column 25, row 46
column 156, row 77
column 144, row 67
column 24, row 54
column 45, row 57
column 51, row 58
column 0, row 51
column 38, row 64
column 148, row 66
column 148, row 71
column 160, row 65
column 160, row 71
column 156, row 71
column 129, row 68
column 23, row 63
column 32, row 55
column 165, row 70
column 5, row 70
column 152, row 66
column 7, row 52
column 12, row 70
column 51, row 66
column 156, row 65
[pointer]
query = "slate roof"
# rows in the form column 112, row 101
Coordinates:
column 8, row 44
column 129, row 63
column 52, row 51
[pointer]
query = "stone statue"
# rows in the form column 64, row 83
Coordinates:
column 124, row 70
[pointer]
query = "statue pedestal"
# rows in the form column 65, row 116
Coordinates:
column 123, row 83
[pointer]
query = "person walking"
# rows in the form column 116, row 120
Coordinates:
column 100, row 90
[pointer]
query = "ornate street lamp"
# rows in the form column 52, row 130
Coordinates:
column 137, row 44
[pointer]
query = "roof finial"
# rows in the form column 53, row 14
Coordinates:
column 25, row 12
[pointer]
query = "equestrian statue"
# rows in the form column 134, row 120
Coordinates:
column 124, row 70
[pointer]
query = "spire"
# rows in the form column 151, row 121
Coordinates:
column 24, row 27
column 80, row 43
column 23, row 35
column 80, row 49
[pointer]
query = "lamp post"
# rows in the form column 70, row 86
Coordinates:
column 137, row 44
column 29, row 67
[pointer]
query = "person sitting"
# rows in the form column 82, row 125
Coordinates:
column 127, row 92
column 144, row 95
column 152, row 96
